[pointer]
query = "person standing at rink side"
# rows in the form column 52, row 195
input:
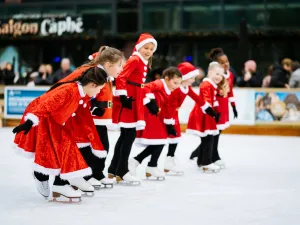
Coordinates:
column 203, row 125
column 155, row 135
column 189, row 72
column 128, row 108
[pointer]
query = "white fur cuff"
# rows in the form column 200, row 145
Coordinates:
column 169, row 121
column 146, row 101
column 216, row 103
column 231, row 99
column 150, row 95
column 205, row 106
column 99, row 153
column 33, row 118
column 120, row 92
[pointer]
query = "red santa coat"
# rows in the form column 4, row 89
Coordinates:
column 50, row 140
column 135, row 70
column 155, row 132
column 223, row 107
column 173, row 105
column 201, row 124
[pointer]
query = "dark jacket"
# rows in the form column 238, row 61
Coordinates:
column 255, row 81
column 8, row 77
column 280, row 77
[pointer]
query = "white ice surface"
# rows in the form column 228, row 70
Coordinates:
column 261, row 185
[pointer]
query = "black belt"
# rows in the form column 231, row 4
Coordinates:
column 104, row 104
column 135, row 84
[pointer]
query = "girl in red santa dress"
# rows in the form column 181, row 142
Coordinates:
column 155, row 135
column 189, row 72
column 203, row 125
column 45, row 134
column 109, row 60
column 224, row 96
column 128, row 107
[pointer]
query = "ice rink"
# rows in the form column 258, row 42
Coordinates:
column 260, row 186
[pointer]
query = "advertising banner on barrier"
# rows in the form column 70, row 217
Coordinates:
column 244, row 99
column 272, row 106
column 16, row 99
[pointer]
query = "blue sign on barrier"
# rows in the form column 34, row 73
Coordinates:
column 16, row 99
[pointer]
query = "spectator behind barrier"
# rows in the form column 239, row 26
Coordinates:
column 251, row 77
column 295, row 77
column 281, row 73
column 267, row 80
column 63, row 71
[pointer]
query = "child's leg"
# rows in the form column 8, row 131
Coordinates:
column 172, row 149
column 41, row 177
column 195, row 153
column 155, row 155
column 59, row 182
column 205, row 156
column 215, row 155
column 144, row 154
column 103, row 135
column 129, row 137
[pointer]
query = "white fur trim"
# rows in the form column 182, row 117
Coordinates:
column 223, row 126
column 33, row 118
column 76, row 174
column 22, row 152
column 103, row 122
column 141, row 57
column 113, row 127
column 169, row 121
column 175, row 140
column 205, row 106
column 146, row 41
column 231, row 99
column 90, row 57
column 202, row 134
column 210, row 81
column 100, row 66
column 150, row 95
column 216, row 103
column 110, row 79
column 80, row 89
column 99, row 153
column 140, row 123
column 145, row 141
column 191, row 74
column 184, row 90
column 167, row 90
column 146, row 101
column 227, row 74
column 83, row 145
column 44, row 170
column 120, row 92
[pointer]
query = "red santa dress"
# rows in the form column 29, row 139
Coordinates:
column 130, row 82
column 155, row 132
column 201, row 124
column 50, row 139
column 223, row 106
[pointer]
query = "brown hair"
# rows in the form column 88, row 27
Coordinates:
column 224, row 86
column 286, row 62
column 215, row 54
column 106, row 54
column 171, row 72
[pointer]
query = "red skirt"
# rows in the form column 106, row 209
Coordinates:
column 223, row 108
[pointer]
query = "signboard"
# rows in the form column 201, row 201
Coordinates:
column 272, row 106
column 16, row 99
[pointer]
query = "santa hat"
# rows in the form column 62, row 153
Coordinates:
column 145, row 39
column 93, row 56
column 188, row 70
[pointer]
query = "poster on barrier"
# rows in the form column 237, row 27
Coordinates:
column 244, row 99
column 272, row 106
column 17, row 98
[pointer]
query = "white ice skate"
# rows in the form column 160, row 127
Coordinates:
column 95, row 183
column 42, row 187
column 107, row 183
column 154, row 173
column 128, row 179
column 210, row 168
column 65, row 194
column 132, row 165
column 220, row 163
column 82, row 185
column 171, row 167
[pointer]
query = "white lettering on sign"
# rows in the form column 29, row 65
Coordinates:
column 50, row 26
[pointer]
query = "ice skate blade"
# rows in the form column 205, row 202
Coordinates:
column 59, row 198
column 208, row 170
column 172, row 173
column 120, row 181
column 152, row 178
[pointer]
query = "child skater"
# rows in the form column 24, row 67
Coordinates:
column 109, row 61
column 128, row 108
column 189, row 72
column 203, row 125
column 154, row 136
column 44, row 133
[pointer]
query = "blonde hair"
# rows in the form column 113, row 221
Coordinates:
column 224, row 87
column 214, row 65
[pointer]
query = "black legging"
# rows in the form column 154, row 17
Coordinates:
column 119, row 162
column 205, row 150
column 154, row 151
column 57, row 181
column 171, row 150
column 215, row 154
column 103, row 135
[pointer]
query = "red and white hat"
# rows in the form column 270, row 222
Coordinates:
column 187, row 70
column 145, row 38
column 93, row 56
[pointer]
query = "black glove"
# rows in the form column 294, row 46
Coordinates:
column 25, row 126
column 235, row 113
column 152, row 106
column 126, row 102
column 217, row 118
column 95, row 109
column 171, row 130
column 211, row 112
